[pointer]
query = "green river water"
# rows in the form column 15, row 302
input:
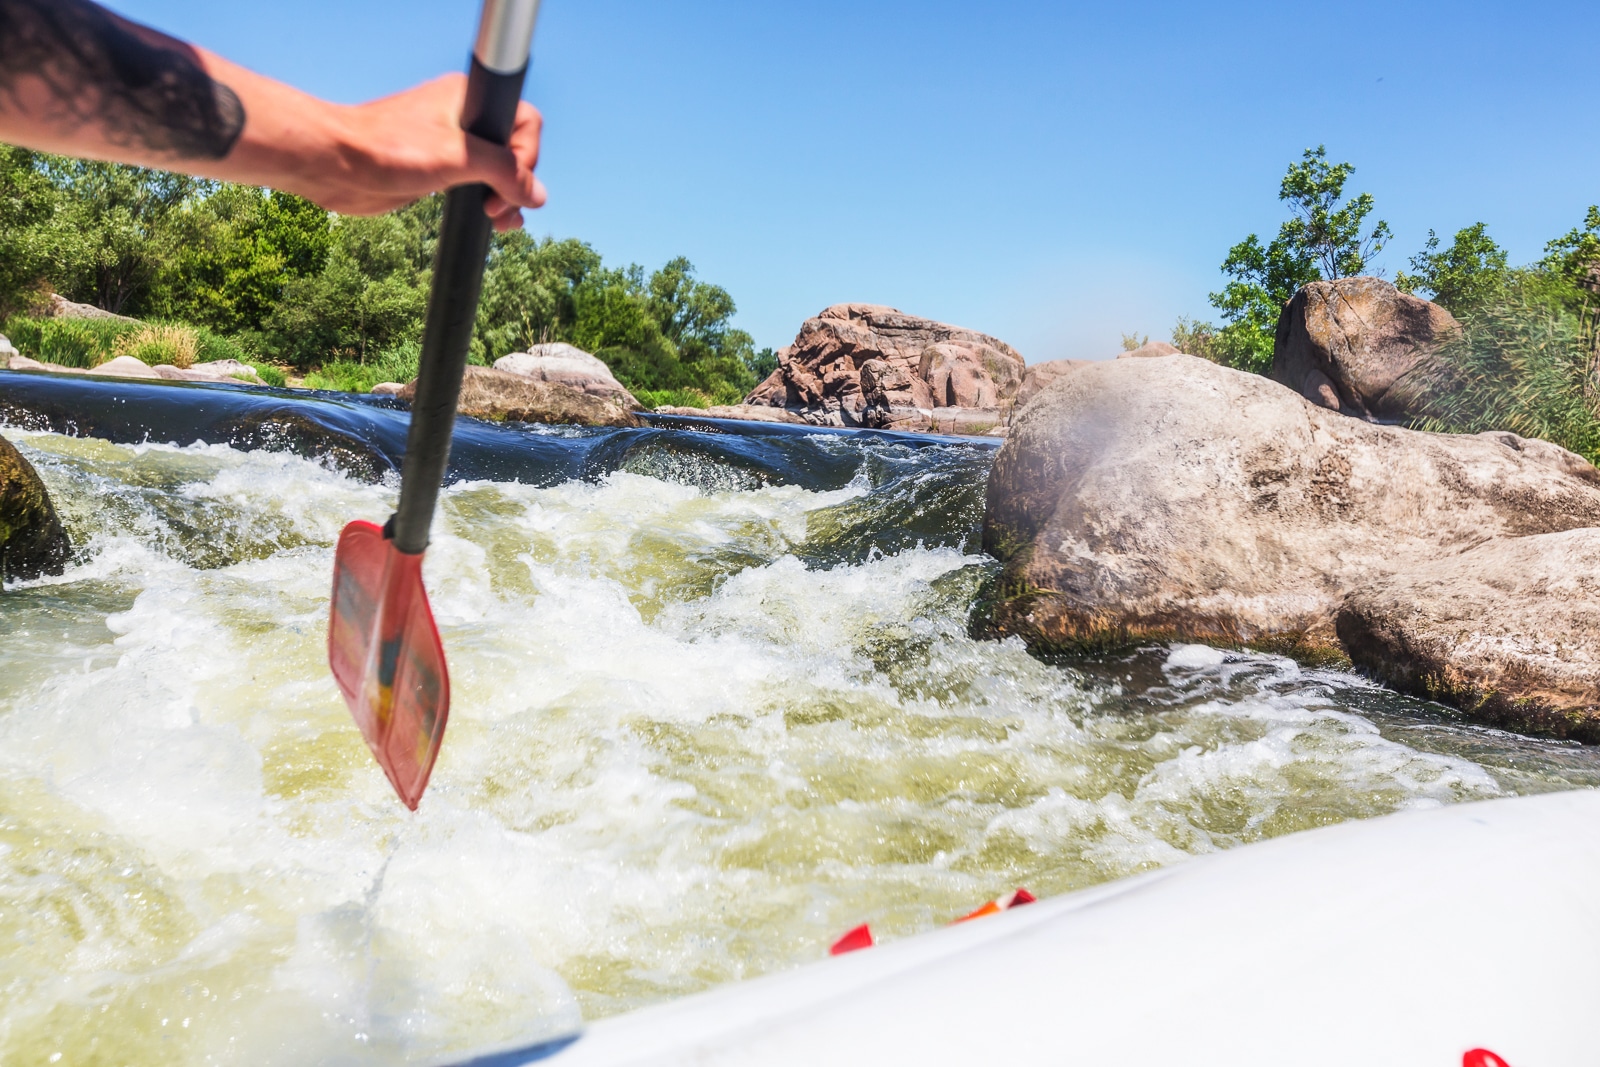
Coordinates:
column 699, row 730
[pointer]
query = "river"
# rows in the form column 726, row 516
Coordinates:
column 715, row 703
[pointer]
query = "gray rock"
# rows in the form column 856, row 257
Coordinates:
column 1172, row 498
column 62, row 308
column 1349, row 344
column 388, row 389
column 569, row 365
column 1149, row 348
column 7, row 349
column 498, row 395
column 1508, row 630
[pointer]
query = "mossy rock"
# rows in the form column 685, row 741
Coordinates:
column 32, row 541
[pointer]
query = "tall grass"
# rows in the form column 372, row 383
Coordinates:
column 86, row 343
column 396, row 364
column 1525, row 361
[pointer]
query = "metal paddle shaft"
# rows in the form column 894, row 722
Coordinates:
column 499, row 64
column 383, row 646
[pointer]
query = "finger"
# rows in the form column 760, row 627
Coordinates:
column 511, row 220
column 526, row 134
column 497, row 167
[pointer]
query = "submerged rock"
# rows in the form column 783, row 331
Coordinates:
column 290, row 428
column 32, row 541
column 569, row 365
column 1348, row 345
column 1508, row 631
column 498, row 395
column 917, row 366
column 1175, row 499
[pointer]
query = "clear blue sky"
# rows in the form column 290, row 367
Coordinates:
column 1054, row 174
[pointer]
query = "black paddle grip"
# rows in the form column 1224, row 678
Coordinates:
column 489, row 113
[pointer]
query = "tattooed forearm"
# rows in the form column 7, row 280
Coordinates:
column 72, row 64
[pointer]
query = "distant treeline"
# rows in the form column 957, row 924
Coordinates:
column 1528, row 358
column 273, row 279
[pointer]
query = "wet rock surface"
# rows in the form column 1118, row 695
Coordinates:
column 1349, row 344
column 499, row 395
column 1508, row 631
column 32, row 541
column 868, row 365
column 1171, row 498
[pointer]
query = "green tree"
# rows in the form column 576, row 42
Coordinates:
column 29, row 237
column 370, row 295
column 1576, row 256
column 236, row 250
column 1323, row 238
column 1461, row 276
column 528, row 292
column 121, row 219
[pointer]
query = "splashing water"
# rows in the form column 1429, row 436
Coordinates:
column 703, row 723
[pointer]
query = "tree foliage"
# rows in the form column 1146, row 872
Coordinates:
column 1323, row 238
column 289, row 283
column 1460, row 277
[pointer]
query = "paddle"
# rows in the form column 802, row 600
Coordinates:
column 383, row 646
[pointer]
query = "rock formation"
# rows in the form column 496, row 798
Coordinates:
column 1172, row 498
column 918, row 366
column 59, row 307
column 32, row 541
column 1508, row 630
column 1348, row 345
column 745, row 412
column 487, row 393
column 569, row 365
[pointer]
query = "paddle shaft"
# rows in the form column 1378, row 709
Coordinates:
column 494, row 87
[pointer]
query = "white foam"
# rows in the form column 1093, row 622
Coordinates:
column 677, row 756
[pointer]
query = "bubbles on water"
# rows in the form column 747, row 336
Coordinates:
column 699, row 730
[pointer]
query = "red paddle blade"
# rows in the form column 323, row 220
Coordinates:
column 385, row 653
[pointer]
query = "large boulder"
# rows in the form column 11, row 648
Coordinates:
column 32, row 541
column 1348, row 345
column 1040, row 375
column 1172, row 498
column 1508, row 630
column 59, row 307
column 487, row 393
column 926, row 365
column 569, row 365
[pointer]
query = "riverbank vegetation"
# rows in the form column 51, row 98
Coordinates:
column 1528, row 355
column 214, row 270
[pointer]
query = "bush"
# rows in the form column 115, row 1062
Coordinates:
column 80, row 343
column 396, row 364
column 153, row 344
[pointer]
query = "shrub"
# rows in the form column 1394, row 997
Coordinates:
column 395, row 364
column 81, row 343
column 153, row 344
column 677, row 398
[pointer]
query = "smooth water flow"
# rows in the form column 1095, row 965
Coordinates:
column 712, row 708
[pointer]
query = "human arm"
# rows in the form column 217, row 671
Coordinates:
column 79, row 80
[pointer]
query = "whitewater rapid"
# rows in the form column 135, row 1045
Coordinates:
column 702, row 724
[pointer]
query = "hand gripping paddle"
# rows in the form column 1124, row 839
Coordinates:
column 383, row 645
